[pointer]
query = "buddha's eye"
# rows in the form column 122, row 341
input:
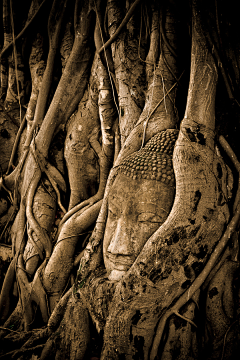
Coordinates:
column 113, row 211
column 149, row 217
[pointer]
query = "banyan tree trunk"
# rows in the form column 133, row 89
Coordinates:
column 177, row 252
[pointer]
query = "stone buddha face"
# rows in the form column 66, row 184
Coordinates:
column 139, row 202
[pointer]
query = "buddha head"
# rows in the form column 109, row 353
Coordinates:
column 139, row 201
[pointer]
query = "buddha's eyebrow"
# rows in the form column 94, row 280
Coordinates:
column 114, row 201
column 147, row 207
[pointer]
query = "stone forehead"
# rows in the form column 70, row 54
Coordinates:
column 154, row 160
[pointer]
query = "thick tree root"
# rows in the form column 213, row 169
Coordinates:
column 72, row 337
column 32, row 292
column 221, row 311
column 6, row 288
column 60, row 264
column 121, row 26
column 58, row 311
column 54, row 27
column 38, row 230
column 236, row 163
column 196, row 284
column 14, row 149
column 81, row 156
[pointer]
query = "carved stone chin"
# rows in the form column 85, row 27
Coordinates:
column 116, row 275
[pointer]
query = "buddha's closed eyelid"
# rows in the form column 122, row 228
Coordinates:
column 113, row 210
column 149, row 217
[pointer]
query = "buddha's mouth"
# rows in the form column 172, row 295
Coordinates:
column 120, row 262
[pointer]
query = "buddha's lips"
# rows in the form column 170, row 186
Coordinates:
column 120, row 260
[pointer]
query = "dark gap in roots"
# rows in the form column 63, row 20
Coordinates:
column 96, row 342
column 196, row 200
column 4, row 134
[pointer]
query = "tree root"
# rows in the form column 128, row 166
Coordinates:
column 55, row 277
column 14, row 149
column 220, row 309
column 6, row 288
column 72, row 336
column 11, row 216
column 10, row 330
column 35, row 244
column 226, row 334
column 58, row 311
column 40, row 223
column 154, row 117
column 167, row 43
column 154, row 109
column 107, row 114
column 195, row 285
column 175, row 312
column 2, row 186
column 208, row 267
column 52, row 173
column 154, row 47
column 36, row 337
column 84, row 205
column 39, row 231
column 32, row 292
column 236, row 163
column 100, row 38
column 55, row 21
column 82, row 147
column 75, row 76
column 121, row 26
column 54, row 185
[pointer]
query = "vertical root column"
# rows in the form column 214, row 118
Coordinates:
column 44, row 210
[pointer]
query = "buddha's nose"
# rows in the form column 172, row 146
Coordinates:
column 120, row 243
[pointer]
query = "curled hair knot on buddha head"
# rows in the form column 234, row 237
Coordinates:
column 154, row 160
